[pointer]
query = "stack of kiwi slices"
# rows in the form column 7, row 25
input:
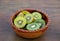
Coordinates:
column 29, row 21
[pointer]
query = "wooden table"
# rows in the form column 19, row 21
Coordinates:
column 9, row 7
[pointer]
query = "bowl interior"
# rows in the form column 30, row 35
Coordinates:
column 43, row 15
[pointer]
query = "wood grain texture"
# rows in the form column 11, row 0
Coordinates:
column 9, row 7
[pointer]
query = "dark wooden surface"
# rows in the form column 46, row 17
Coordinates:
column 9, row 7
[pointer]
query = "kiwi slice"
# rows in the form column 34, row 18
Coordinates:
column 41, row 22
column 20, row 14
column 33, row 26
column 25, row 12
column 37, row 15
column 29, row 18
column 20, row 22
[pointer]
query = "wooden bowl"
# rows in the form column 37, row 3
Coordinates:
column 30, row 34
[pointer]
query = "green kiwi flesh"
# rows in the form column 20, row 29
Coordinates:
column 25, row 12
column 32, row 26
column 29, row 18
column 20, row 22
column 37, row 15
column 41, row 21
column 20, row 14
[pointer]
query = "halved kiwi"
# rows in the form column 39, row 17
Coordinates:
column 33, row 26
column 29, row 18
column 37, row 15
column 20, row 14
column 25, row 12
column 41, row 22
column 20, row 22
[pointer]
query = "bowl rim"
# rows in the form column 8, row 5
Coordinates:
column 22, row 30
